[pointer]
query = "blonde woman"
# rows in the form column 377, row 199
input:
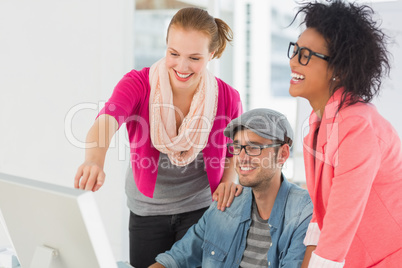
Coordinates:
column 175, row 113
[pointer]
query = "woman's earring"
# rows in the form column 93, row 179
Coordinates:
column 333, row 79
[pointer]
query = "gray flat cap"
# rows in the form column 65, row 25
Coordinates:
column 266, row 123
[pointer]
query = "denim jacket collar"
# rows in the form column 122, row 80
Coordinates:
column 280, row 202
column 245, row 215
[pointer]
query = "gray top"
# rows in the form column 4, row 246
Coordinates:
column 258, row 242
column 178, row 189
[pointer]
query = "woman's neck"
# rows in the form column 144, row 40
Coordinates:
column 319, row 105
column 319, row 111
column 185, row 92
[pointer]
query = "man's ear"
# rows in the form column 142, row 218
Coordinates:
column 283, row 154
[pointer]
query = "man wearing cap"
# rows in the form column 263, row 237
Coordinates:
column 266, row 224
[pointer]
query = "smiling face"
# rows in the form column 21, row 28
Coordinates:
column 187, row 56
column 312, row 81
column 258, row 171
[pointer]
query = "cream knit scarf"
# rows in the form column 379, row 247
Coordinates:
column 182, row 147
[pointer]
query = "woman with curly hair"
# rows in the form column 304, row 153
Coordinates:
column 353, row 156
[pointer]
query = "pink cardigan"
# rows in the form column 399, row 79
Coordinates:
column 355, row 182
column 129, row 104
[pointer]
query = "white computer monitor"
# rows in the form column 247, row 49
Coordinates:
column 52, row 226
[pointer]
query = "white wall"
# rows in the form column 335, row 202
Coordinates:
column 389, row 101
column 57, row 58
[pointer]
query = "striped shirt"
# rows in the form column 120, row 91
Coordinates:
column 258, row 242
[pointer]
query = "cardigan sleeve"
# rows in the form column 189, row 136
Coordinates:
column 353, row 151
column 237, row 110
column 233, row 106
column 129, row 93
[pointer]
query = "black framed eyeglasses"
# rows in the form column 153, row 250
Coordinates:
column 304, row 53
column 251, row 150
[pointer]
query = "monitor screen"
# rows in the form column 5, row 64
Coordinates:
column 52, row 226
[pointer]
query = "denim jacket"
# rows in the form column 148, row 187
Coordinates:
column 219, row 238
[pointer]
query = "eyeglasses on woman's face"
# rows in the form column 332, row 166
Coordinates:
column 304, row 53
column 251, row 150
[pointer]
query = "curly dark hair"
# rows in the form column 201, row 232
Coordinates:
column 356, row 45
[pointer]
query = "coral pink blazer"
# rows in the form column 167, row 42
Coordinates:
column 354, row 178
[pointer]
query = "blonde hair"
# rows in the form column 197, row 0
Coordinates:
column 192, row 18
